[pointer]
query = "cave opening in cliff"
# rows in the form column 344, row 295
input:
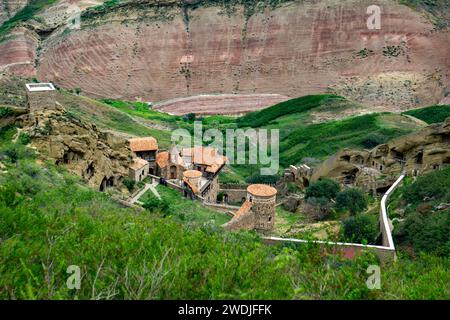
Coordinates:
column 419, row 158
column 305, row 182
column 110, row 182
column 103, row 185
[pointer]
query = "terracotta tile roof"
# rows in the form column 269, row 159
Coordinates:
column 192, row 174
column 162, row 159
column 205, row 156
column 143, row 144
column 262, row 190
column 191, row 186
column 138, row 163
column 245, row 208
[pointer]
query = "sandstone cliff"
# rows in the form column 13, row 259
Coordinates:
column 139, row 50
column 100, row 158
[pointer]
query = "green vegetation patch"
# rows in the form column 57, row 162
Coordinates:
column 187, row 211
column 431, row 114
column 352, row 132
column 297, row 106
column 27, row 13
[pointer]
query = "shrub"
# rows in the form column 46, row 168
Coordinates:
column 372, row 140
column 353, row 200
column 433, row 186
column 156, row 205
column 5, row 112
column 361, row 229
column 258, row 178
column 324, row 188
column 129, row 184
column 429, row 232
column 190, row 117
column 24, row 138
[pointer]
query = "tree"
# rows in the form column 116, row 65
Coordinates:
column 258, row 178
column 156, row 205
column 190, row 117
column 324, row 188
column 353, row 200
column 129, row 184
column 361, row 228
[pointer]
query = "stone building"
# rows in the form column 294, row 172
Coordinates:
column 138, row 169
column 258, row 210
column 146, row 148
column 375, row 170
column 40, row 96
column 172, row 164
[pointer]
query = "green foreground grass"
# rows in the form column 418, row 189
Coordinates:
column 188, row 212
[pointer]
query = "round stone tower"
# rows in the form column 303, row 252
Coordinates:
column 194, row 177
column 263, row 199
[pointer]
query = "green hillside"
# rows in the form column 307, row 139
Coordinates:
column 324, row 139
column 298, row 106
column 431, row 114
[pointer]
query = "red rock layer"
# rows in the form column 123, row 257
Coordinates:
column 297, row 49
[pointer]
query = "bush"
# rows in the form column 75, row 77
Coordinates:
column 324, row 188
column 190, row 117
column 156, row 205
column 5, row 112
column 258, row 178
column 429, row 233
column 24, row 138
column 129, row 184
column 361, row 229
column 353, row 200
column 433, row 186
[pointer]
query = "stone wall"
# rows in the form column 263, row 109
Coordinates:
column 245, row 221
column 264, row 213
column 40, row 100
column 213, row 191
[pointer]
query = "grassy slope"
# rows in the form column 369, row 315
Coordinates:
column 186, row 211
column 431, row 114
column 297, row 106
column 108, row 117
column 335, row 135
column 50, row 220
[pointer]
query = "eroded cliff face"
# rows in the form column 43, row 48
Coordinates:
column 8, row 8
column 295, row 48
column 100, row 158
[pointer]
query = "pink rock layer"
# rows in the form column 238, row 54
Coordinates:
column 219, row 104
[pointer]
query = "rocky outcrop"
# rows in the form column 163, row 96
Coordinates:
column 158, row 50
column 100, row 158
column 377, row 169
column 8, row 8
